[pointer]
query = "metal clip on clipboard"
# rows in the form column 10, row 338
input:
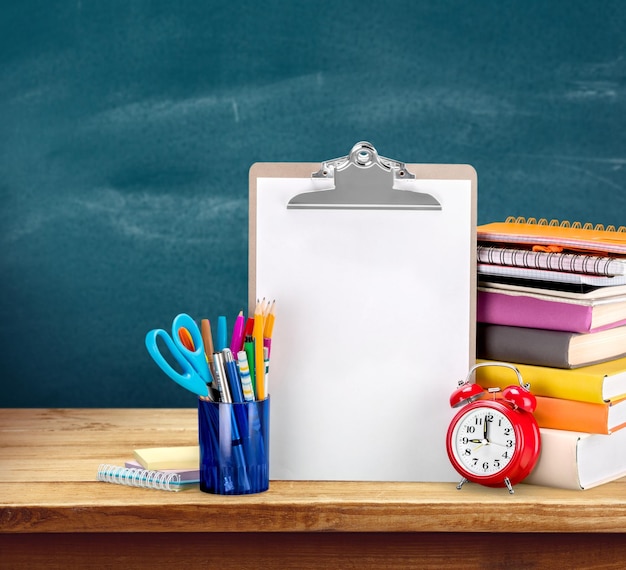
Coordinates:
column 364, row 181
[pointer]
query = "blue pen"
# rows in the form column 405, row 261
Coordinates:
column 233, row 376
column 236, row 441
column 221, row 339
column 236, row 392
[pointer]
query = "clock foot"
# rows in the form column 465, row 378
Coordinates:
column 461, row 483
column 507, row 482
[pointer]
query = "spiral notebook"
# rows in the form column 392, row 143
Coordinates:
column 486, row 271
column 552, row 261
column 146, row 478
column 557, row 251
column 574, row 235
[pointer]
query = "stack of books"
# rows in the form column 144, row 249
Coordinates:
column 552, row 300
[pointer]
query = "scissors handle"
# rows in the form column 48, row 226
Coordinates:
column 190, row 378
column 196, row 357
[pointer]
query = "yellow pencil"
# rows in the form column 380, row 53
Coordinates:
column 257, row 335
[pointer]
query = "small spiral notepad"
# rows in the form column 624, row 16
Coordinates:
column 146, row 478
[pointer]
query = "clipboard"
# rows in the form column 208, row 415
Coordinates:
column 372, row 263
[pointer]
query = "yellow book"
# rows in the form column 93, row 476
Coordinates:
column 597, row 383
column 183, row 457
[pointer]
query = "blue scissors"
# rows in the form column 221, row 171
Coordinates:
column 195, row 371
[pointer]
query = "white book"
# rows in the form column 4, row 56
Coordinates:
column 577, row 460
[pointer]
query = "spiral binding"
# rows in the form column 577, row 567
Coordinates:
column 135, row 477
column 554, row 261
column 564, row 224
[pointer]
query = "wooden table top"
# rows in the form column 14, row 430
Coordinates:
column 49, row 459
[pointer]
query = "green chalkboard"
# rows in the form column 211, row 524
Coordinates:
column 127, row 129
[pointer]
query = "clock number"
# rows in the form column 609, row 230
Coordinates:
column 479, row 451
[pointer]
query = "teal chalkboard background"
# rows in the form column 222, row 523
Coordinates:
column 127, row 129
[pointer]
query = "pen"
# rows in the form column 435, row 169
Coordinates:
column 258, row 446
column 269, row 327
column 249, row 327
column 244, row 374
column 240, row 412
column 266, row 362
column 236, row 341
column 257, row 335
column 232, row 374
column 248, row 347
column 221, row 335
column 222, row 381
column 237, row 442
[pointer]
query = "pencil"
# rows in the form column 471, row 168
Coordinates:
column 257, row 334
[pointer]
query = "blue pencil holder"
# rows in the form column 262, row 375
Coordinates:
column 234, row 447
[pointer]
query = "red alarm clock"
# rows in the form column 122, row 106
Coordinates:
column 493, row 442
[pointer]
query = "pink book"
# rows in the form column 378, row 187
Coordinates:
column 511, row 308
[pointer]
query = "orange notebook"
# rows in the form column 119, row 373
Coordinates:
column 587, row 237
column 586, row 417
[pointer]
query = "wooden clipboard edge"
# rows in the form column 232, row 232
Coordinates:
column 421, row 172
column 267, row 170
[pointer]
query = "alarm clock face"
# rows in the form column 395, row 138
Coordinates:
column 483, row 441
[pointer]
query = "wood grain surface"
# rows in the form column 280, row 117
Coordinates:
column 52, row 508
